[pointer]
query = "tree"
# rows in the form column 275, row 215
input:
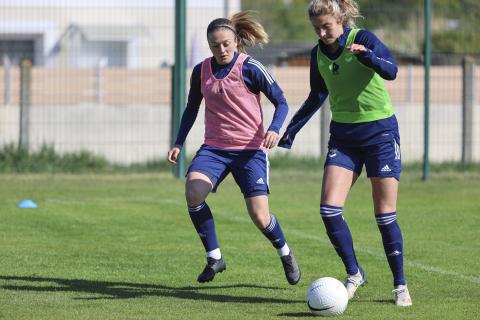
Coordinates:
column 399, row 24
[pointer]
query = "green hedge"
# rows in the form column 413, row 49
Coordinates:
column 15, row 159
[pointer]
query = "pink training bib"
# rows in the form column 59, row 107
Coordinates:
column 233, row 114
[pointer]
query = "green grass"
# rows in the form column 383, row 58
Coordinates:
column 123, row 247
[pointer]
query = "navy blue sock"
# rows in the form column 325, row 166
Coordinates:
column 393, row 244
column 203, row 221
column 340, row 236
column 274, row 233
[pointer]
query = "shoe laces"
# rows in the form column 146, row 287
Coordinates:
column 288, row 263
column 402, row 296
column 399, row 291
column 355, row 279
column 211, row 261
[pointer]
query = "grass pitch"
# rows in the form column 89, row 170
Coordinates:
column 123, row 247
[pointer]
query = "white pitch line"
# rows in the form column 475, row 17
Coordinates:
column 173, row 201
column 373, row 253
column 409, row 263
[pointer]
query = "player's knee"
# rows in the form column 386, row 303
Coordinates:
column 260, row 219
column 194, row 197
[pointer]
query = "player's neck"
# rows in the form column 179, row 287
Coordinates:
column 333, row 47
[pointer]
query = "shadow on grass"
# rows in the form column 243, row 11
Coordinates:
column 297, row 314
column 385, row 301
column 128, row 290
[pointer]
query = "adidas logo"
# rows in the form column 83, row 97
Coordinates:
column 260, row 181
column 386, row 168
column 394, row 253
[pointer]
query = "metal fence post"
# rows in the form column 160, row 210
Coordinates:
column 426, row 120
column 467, row 109
column 7, row 80
column 25, row 101
column 226, row 8
column 98, row 79
column 179, row 85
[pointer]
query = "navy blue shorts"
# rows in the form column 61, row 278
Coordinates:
column 248, row 167
column 381, row 159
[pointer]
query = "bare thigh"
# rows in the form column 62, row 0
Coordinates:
column 337, row 182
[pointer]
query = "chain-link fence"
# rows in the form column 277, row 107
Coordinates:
column 100, row 78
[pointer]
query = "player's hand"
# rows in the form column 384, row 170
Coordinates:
column 357, row 48
column 285, row 142
column 172, row 155
column 271, row 139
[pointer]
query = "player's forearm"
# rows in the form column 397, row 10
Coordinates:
column 279, row 116
column 188, row 119
column 386, row 67
column 301, row 117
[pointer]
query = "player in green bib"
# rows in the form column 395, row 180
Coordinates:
column 357, row 92
column 349, row 66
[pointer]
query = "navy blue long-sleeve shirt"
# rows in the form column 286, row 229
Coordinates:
column 377, row 57
column 256, row 78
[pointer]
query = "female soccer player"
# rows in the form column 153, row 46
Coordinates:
column 235, row 140
column 348, row 64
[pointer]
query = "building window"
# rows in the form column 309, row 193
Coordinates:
column 17, row 50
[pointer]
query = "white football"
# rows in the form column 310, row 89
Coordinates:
column 327, row 297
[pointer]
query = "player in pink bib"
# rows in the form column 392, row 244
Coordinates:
column 233, row 114
column 235, row 140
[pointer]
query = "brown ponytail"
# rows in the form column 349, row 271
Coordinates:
column 245, row 26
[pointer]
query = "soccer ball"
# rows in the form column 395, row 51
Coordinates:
column 327, row 297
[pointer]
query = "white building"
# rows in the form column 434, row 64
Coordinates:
column 115, row 33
